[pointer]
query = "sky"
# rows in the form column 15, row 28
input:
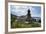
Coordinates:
column 21, row 10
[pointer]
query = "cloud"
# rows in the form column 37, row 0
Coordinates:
column 22, row 10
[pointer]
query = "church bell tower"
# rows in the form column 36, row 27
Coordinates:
column 29, row 16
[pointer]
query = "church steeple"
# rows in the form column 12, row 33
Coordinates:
column 29, row 16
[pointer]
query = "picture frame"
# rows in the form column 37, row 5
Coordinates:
column 24, row 3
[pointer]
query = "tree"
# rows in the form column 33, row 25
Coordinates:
column 39, row 21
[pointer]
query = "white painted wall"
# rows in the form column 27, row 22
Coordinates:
column 2, row 23
column 2, row 19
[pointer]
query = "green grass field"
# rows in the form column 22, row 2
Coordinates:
column 18, row 24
